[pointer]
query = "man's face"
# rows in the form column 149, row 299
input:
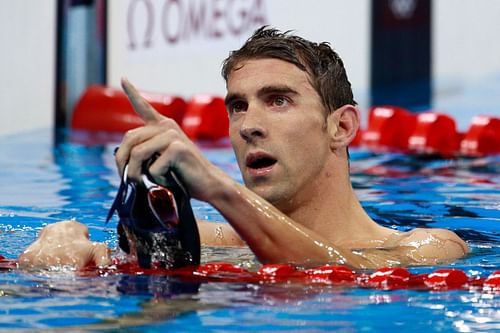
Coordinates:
column 277, row 129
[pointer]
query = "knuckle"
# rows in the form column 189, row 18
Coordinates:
column 172, row 134
column 129, row 135
column 168, row 123
column 137, row 152
column 179, row 148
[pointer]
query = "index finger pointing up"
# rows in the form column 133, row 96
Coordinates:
column 141, row 106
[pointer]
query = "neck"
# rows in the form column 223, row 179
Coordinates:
column 330, row 208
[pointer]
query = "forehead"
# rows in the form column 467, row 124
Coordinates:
column 253, row 74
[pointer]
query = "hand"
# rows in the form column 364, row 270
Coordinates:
column 65, row 243
column 163, row 137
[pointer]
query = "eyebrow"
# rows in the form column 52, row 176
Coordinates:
column 276, row 90
column 230, row 98
column 264, row 91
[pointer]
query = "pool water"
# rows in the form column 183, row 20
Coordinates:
column 45, row 179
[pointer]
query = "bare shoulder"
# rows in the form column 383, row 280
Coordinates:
column 434, row 243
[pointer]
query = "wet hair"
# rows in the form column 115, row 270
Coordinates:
column 324, row 67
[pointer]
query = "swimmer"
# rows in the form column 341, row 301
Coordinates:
column 291, row 118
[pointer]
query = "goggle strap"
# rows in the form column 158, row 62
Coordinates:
column 116, row 202
column 119, row 195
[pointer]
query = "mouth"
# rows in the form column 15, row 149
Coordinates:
column 260, row 163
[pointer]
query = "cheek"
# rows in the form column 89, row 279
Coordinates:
column 306, row 137
column 236, row 143
column 307, row 148
column 234, row 135
column 233, row 130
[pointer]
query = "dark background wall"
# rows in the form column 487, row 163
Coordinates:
column 401, row 53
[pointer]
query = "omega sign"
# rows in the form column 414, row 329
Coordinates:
column 176, row 22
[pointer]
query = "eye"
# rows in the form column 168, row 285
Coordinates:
column 279, row 101
column 237, row 107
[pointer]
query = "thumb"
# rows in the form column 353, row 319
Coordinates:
column 140, row 105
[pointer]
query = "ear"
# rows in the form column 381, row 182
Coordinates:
column 342, row 125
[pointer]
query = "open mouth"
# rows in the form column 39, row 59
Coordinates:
column 260, row 161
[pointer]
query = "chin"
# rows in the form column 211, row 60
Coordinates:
column 272, row 193
column 272, row 196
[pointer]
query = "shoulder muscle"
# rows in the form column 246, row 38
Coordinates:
column 435, row 244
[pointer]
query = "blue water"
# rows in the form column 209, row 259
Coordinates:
column 43, row 182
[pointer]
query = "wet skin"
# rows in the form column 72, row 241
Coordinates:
column 276, row 117
column 298, row 205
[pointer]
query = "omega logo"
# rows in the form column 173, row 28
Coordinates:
column 178, row 21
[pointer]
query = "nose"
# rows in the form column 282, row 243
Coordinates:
column 251, row 127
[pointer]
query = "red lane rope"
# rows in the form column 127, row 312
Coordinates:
column 384, row 278
column 100, row 108
column 204, row 117
column 428, row 133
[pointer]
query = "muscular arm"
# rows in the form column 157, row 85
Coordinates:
column 270, row 234
column 414, row 248
column 273, row 236
column 218, row 234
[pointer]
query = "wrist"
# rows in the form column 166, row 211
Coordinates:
column 221, row 189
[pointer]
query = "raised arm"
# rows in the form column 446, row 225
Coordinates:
column 271, row 235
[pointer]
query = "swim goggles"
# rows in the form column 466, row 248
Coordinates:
column 158, row 220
